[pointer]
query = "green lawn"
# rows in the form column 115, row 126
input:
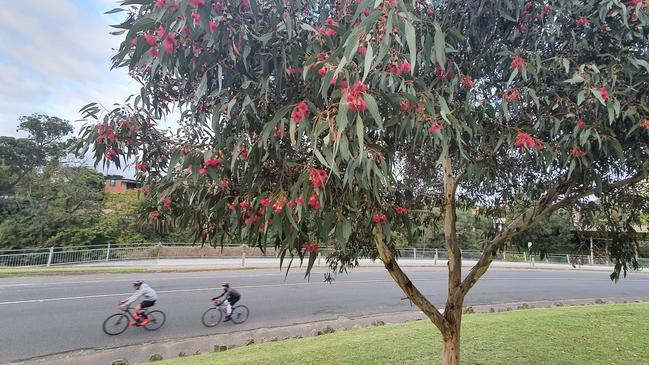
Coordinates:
column 601, row 334
column 34, row 271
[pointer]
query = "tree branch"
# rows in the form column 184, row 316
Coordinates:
column 404, row 281
column 542, row 208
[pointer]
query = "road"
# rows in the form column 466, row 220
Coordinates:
column 46, row 315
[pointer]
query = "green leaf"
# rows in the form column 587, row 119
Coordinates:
column 412, row 44
column 367, row 65
column 202, row 87
column 575, row 79
column 511, row 77
column 113, row 11
column 373, row 108
column 440, row 45
column 360, row 133
column 580, row 97
column 598, row 96
column 566, row 65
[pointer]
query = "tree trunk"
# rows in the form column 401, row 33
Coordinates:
column 451, row 334
column 451, row 350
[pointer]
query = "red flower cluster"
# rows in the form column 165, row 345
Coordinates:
column 161, row 3
column 154, row 215
column 232, row 206
column 355, row 99
column 439, row 72
column 196, row 16
column 318, row 178
column 401, row 210
column 195, row 3
column 582, row 22
column 524, row 140
column 581, row 124
column 379, row 218
column 224, row 184
column 265, row 202
column 362, row 50
column 398, row 69
column 604, row 93
column 212, row 162
column 518, row 62
column 314, row 200
column 329, row 32
column 405, row 105
column 243, row 153
column 213, row 25
column 468, row 82
column 278, row 206
column 310, row 247
column 166, row 203
column 142, row 166
column 644, row 124
column 435, row 128
column 322, row 72
column 170, row 43
column 150, row 39
column 245, row 4
column 106, row 136
column 513, row 95
column 577, row 152
column 300, row 112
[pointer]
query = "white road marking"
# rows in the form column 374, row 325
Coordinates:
column 196, row 290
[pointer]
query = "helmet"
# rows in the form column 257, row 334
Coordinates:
column 226, row 284
column 138, row 282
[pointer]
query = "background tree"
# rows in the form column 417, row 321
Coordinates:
column 552, row 235
column 44, row 144
column 301, row 118
column 47, row 202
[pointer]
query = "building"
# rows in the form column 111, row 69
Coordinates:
column 117, row 185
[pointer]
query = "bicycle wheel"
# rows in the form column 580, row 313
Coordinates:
column 239, row 314
column 156, row 320
column 211, row 317
column 115, row 324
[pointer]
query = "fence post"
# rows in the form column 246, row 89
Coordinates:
column 592, row 257
column 524, row 256
column 108, row 252
column 243, row 258
column 49, row 257
column 436, row 256
column 319, row 257
column 532, row 261
column 504, row 255
column 414, row 253
column 568, row 258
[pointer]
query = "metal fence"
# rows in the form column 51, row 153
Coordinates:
column 83, row 254
column 120, row 252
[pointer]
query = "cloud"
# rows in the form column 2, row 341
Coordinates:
column 55, row 58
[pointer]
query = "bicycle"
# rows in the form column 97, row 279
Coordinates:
column 213, row 316
column 119, row 322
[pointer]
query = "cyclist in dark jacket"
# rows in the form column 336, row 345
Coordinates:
column 231, row 297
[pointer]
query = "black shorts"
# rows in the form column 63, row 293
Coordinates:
column 233, row 300
column 147, row 304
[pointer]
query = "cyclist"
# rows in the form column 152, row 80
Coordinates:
column 141, row 290
column 231, row 297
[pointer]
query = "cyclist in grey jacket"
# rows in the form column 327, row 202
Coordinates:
column 231, row 297
column 141, row 290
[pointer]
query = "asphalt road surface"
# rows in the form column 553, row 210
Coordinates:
column 46, row 315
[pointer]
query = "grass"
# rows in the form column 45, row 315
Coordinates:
column 35, row 271
column 601, row 334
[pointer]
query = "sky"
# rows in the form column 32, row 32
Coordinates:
column 55, row 58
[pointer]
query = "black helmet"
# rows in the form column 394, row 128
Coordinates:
column 226, row 284
column 138, row 282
